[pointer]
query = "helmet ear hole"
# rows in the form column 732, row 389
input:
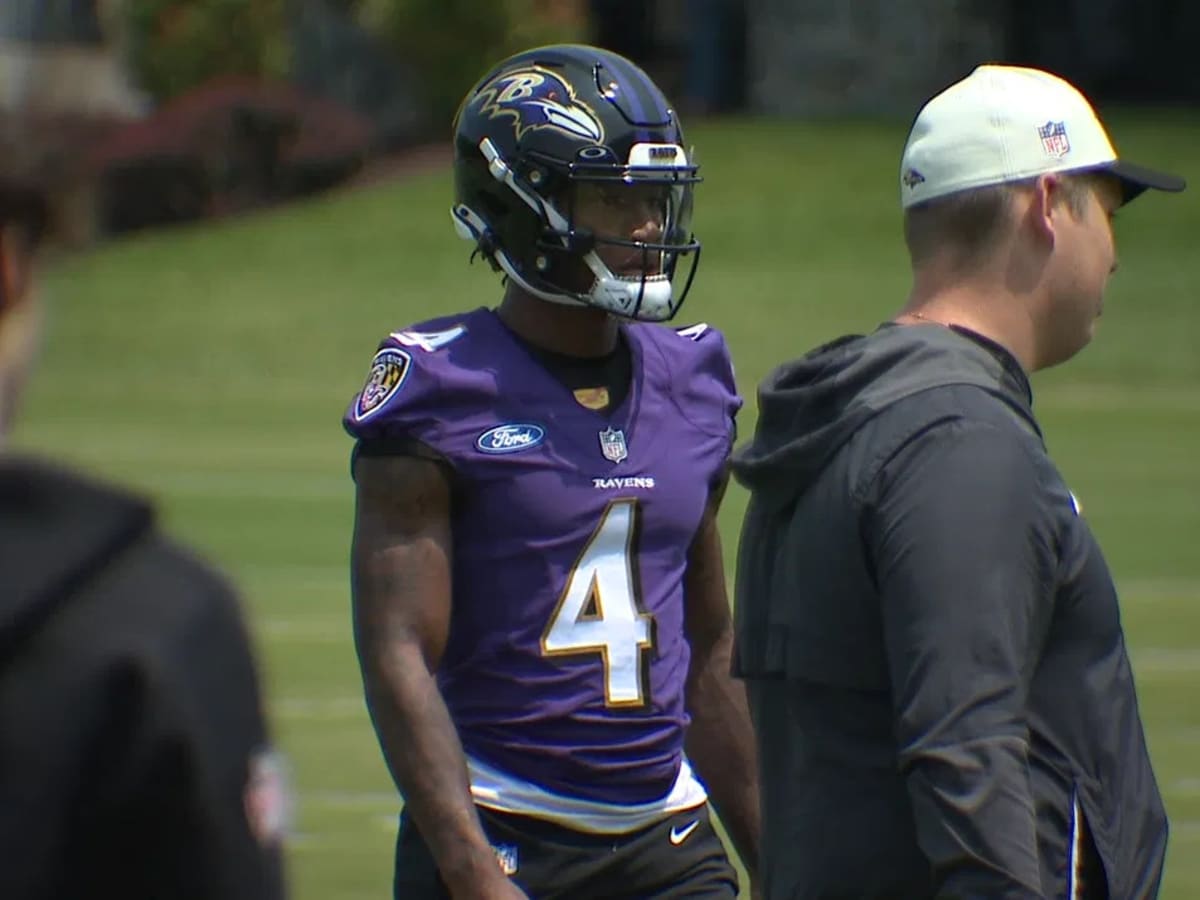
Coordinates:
column 491, row 207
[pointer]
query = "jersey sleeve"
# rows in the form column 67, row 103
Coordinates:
column 182, row 754
column 215, row 688
column 412, row 391
column 709, row 395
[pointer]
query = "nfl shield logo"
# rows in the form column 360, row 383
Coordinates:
column 1054, row 139
column 612, row 444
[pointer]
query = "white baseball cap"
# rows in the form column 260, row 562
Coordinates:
column 1005, row 123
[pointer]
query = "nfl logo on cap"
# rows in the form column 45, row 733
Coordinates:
column 1006, row 124
column 1054, row 139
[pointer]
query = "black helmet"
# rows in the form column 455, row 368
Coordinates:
column 541, row 122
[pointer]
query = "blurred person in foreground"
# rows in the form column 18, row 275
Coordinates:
column 540, row 605
column 134, row 759
column 931, row 639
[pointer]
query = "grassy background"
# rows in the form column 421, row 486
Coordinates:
column 210, row 367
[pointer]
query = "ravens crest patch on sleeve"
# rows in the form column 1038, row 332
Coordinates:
column 389, row 368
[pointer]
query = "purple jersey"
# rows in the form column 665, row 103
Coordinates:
column 566, row 661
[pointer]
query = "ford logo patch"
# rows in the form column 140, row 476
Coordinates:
column 510, row 438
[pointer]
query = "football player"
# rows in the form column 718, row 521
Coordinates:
column 540, row 607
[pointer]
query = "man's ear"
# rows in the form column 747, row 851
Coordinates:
column 8, row 286
column 16, row 264
column 1046, row 206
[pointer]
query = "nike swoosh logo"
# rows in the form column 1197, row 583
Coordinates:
column 679, row 835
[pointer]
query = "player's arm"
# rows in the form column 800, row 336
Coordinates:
column 401, row 559
column 964, row 560
column 720, row 741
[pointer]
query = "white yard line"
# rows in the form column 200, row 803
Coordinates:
column 352, row 801
column 1185, row 830
column 323, row 709
column 333, row 576
column 1171, row 398
column 1164, row 660
column 318, row 629
column 1151, row 589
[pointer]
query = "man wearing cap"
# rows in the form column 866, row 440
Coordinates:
column 134, row 757
column 929, row 632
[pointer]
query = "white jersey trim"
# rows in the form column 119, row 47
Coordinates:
column 500, row 791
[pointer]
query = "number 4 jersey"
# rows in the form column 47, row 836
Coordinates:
column 566, row 660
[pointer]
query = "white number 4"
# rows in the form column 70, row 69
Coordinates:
column 598, row 611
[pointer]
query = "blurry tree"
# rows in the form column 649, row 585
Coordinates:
column 178, row 44
column 451, row 43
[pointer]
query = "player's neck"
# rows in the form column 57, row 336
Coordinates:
column 569, row 330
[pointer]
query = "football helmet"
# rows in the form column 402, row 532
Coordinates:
column 535, row 128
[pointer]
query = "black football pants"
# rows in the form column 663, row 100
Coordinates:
column 681, row 856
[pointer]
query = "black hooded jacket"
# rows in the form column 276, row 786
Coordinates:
column 931, row 640
column 131, row 733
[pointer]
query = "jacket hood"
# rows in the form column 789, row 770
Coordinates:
column 810, row 407
column 57, row 533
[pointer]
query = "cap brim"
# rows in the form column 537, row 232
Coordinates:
column 1136, row 179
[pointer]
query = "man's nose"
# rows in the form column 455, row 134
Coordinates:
column 647, row 224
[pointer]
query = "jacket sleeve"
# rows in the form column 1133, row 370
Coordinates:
column 201, row 792
column 964, row 561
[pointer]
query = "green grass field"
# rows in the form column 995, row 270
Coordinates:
column 210, row 367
